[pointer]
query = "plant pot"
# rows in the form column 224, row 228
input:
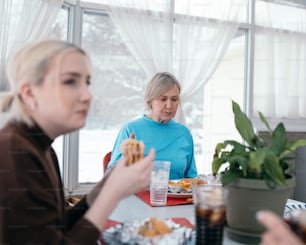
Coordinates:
column 245, row 198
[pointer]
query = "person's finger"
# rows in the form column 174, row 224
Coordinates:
column 269, row 219
column 122, row 161
column 132, row 136
column 268, row 239
column 143, row 163
column 151, row 154
column 278, row 232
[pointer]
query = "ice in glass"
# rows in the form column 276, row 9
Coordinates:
column 159, row 183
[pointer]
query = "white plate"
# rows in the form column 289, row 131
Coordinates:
column 184, row 190
column 184, row 193
column 180, row 195
column 127, row 233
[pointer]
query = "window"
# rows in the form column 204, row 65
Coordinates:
column 117, row 88
column 226, row 84
column 279, row 61
column 118, row 85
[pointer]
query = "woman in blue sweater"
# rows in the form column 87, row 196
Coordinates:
column 171, row 140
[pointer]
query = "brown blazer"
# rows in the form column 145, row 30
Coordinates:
column 32, row 208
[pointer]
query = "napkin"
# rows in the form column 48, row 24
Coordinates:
column 171, row 201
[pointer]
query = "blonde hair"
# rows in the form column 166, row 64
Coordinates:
column 159, row 84
column 30, row 64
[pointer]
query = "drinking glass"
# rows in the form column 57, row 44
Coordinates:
column 159, row 183
column 210, row 213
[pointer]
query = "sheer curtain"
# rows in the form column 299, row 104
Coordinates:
column 185, row 37
column 280, row 61
column 147, row 29
column 23, row 21
column 5, row 16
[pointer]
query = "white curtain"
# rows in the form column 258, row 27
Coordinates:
column 280, row 62
column 23, row 21
column 185, row 37
column 5, row 15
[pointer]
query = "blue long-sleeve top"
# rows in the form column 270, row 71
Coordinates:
column 172, row 141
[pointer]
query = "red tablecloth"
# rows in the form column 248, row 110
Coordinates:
column 171, row 201
column 110, row 223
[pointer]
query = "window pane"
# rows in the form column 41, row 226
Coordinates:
column 279, row 74
column 216, row 9
column 117, row 87
column 226, row 84
column 59, row 31
column 269, row 14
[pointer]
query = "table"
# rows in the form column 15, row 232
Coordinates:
column 133, row 208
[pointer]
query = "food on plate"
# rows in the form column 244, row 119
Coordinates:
column 154, row 227
column 186, row 182
column 198, row 181
column 132, row 149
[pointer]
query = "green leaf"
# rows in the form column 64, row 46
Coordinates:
column 279, row 139
column 271, row 183
column 230, row 176
column 263, row 119
column 257, row 158
column 292, row 146
column 216, row 164
column 238, row 148
column 258, row 142
column 219, row 147
column 273, row 169
column 243, row 124
column 241, row 161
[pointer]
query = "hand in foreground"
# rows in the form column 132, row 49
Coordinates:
column 126, row 180
column 120, row 182
column 278, row 232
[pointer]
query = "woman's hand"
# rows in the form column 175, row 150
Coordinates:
column 119, row 183
column 126, row 180
column 278, row 232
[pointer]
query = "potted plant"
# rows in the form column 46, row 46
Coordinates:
column 256, row 174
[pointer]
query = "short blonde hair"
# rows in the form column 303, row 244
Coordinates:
column 31, row 63
column 159, row 84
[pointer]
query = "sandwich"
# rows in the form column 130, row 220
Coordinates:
column 133, row 150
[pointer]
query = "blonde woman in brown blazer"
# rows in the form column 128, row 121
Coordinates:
column 49, row 98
